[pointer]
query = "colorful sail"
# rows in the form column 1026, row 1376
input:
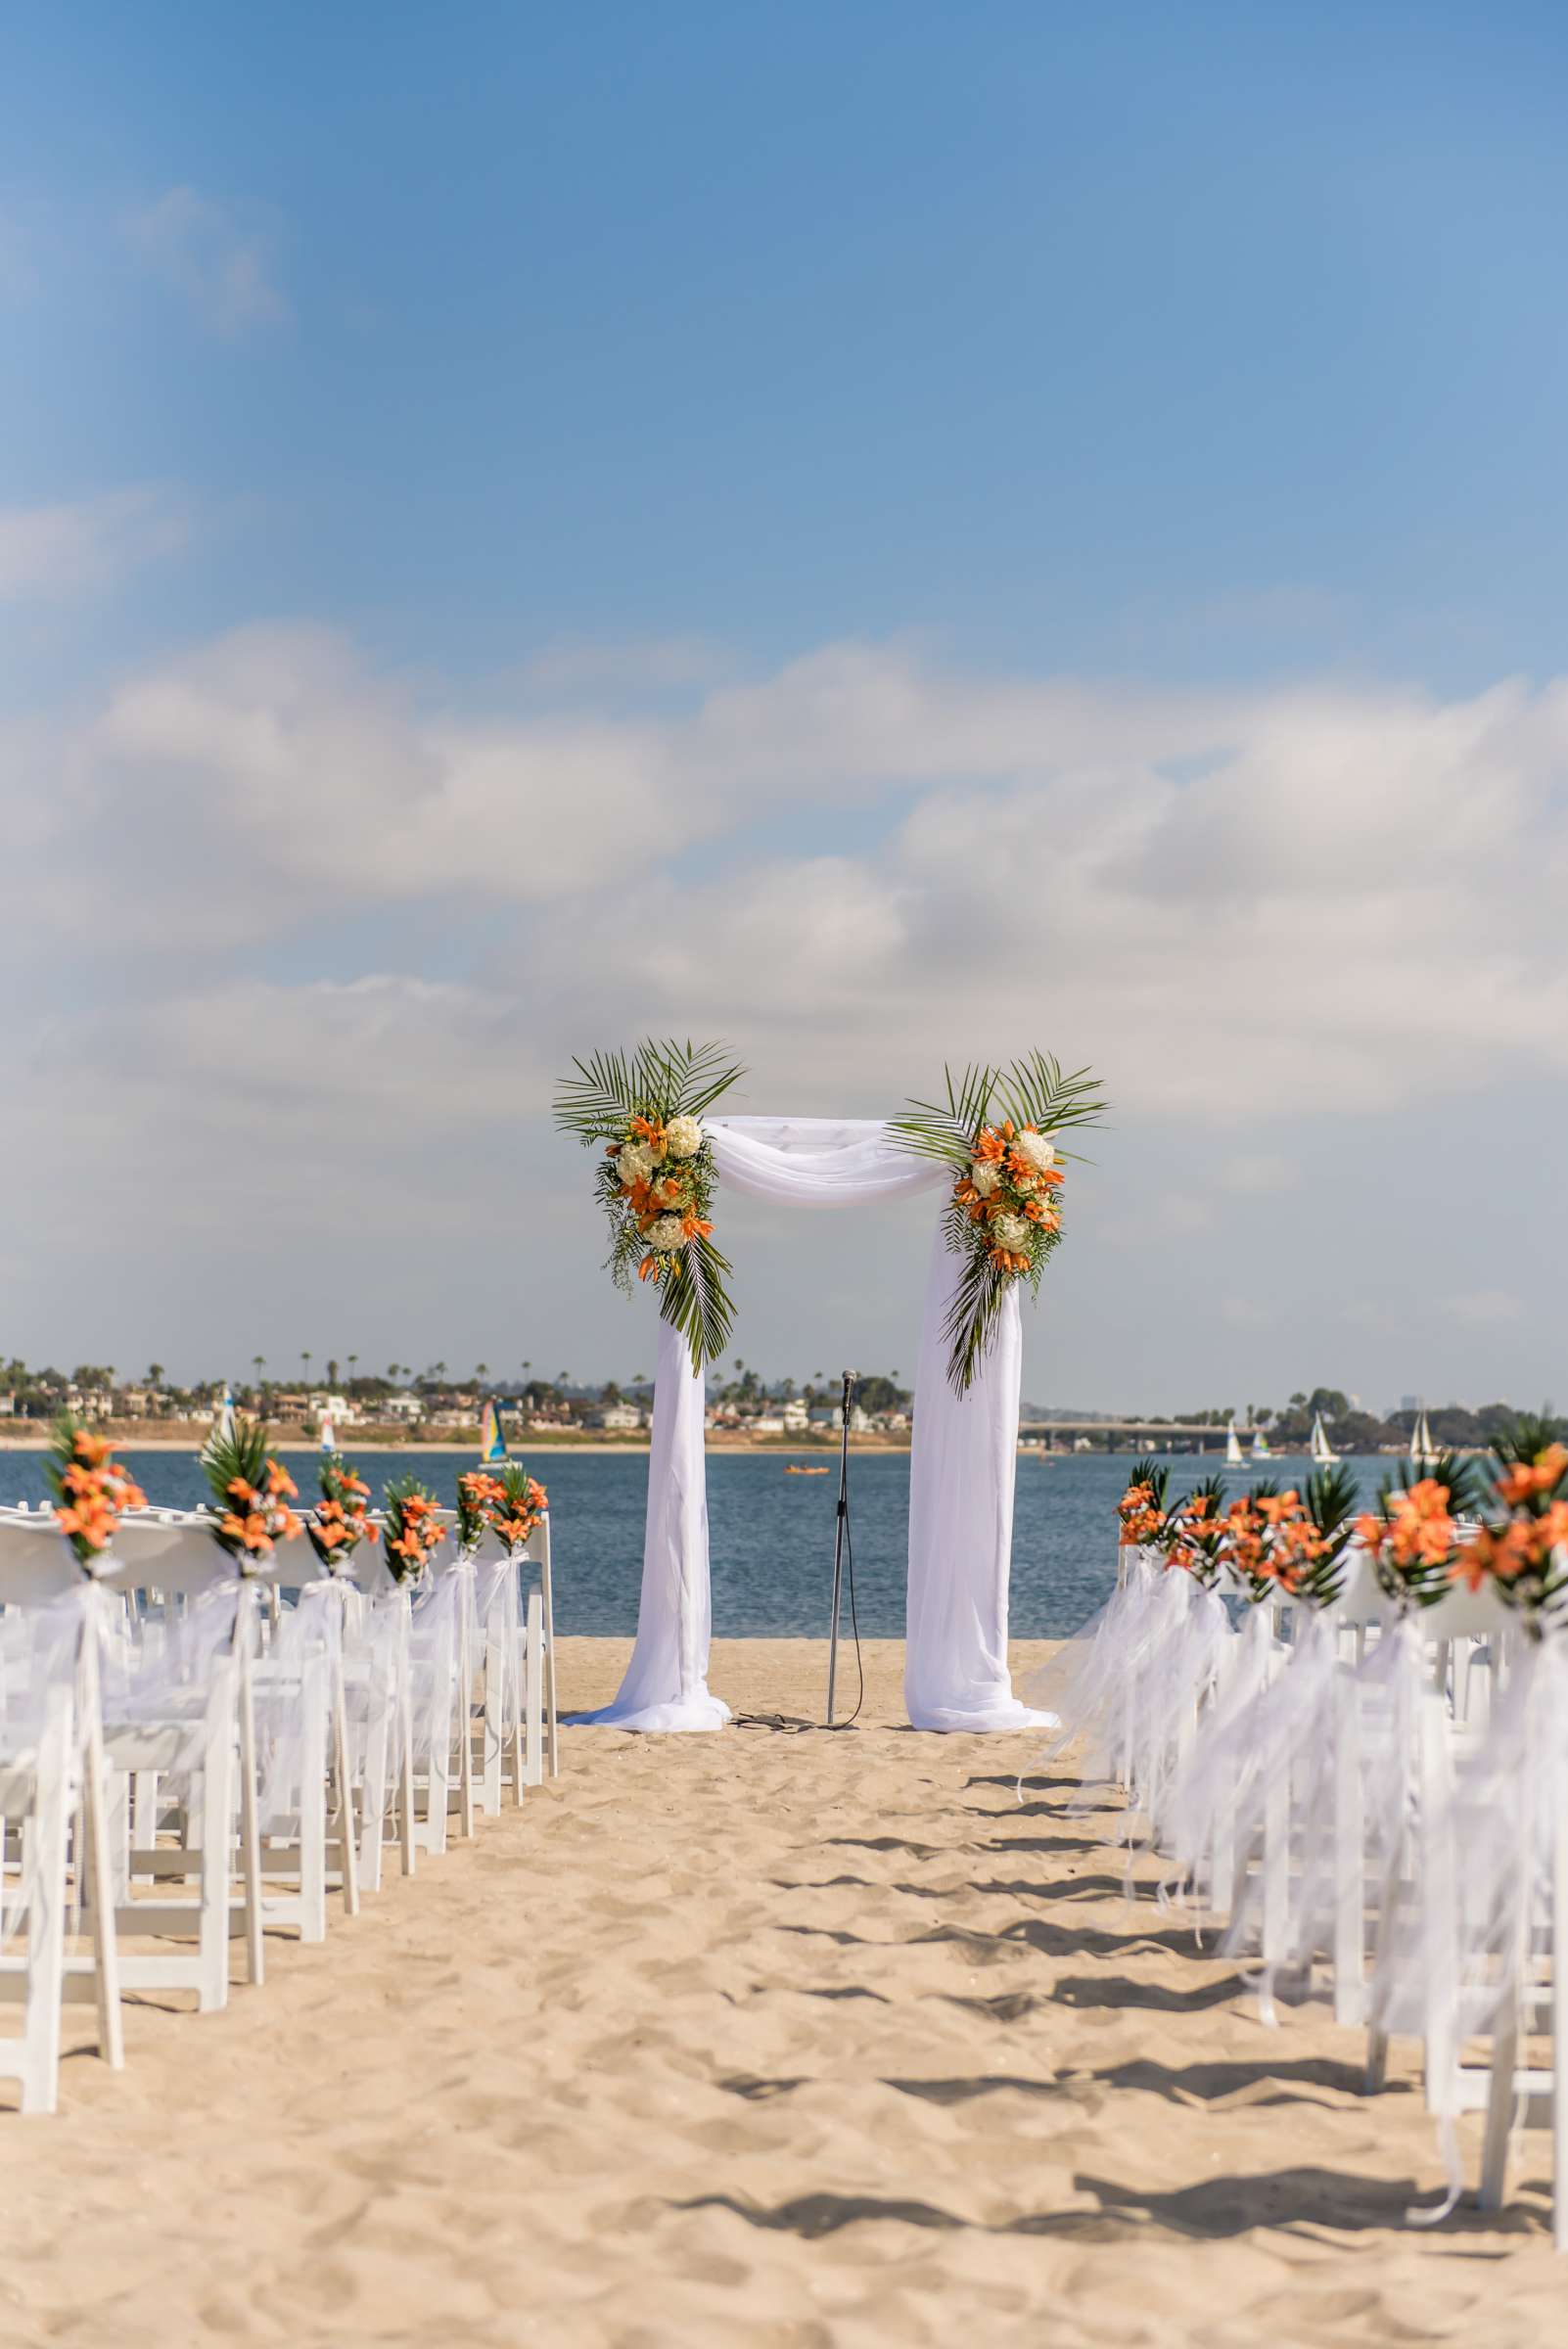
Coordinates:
column 493, row 1444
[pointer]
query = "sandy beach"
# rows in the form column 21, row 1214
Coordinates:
column 795, row 2039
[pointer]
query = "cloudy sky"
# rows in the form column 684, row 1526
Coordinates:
column 884, row 533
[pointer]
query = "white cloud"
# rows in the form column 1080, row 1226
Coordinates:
column 225, row 269
column 1257, row 1175
column 341, row 932
column 1351, row 889
column 75, row 548
column 1484, row 1308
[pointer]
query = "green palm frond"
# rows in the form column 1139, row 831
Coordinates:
column 1029, row 1093
column 1034, row 1091
column 659, row 1080
column 594, row 1104
column 695, row 1301
column 948, row 1129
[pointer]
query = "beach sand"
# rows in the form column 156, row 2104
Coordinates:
column 793, row 2040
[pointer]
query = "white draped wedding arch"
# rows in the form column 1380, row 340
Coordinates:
column 961, row 1475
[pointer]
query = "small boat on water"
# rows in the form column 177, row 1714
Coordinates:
column 1423, row 1451
column 1320, row 1451
column 796, row 1468
column 1259, row 1447
column 1235, row 1457
column 329, row 1442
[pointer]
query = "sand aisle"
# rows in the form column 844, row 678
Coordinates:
column 785, row 2040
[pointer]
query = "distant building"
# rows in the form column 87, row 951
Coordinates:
column 797, row 1416
column 621, row 1417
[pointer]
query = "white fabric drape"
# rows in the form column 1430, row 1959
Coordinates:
column 961, row 1474
column 962, row 1471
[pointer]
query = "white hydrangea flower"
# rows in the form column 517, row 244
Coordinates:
column 985, row 1174
column 683, row 1138
column 666, row 1232
column 1009, row 1231
column 634, row 1163
column 1035, row 1151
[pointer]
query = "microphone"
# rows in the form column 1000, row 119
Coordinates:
column 842, row 1550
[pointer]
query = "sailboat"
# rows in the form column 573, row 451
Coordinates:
column 329, row 1442
column 1320, row 1450
column 1423, row 1451
column 1259, row 1447
column 221, row 1430
column 1235, row 1457
column 492, row 1442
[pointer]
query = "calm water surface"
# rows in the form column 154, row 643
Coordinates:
column 771, row 1535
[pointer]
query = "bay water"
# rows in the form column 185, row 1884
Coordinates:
column 770, row 1533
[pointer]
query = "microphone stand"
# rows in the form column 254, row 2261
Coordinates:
column 838, row 1539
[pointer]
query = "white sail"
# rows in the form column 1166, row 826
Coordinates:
column 1423, row 1451
column 1323, row 1455
column 329, row 1442
column 1235, row 1457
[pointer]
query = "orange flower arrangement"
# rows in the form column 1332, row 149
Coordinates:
column 999, row 1130
column 522, row 1503
column 1141, row 1508
column 655, row 1175
column 253, row 1489
column 342, row 1516
column 91, row 1490
column 413, row 1528
column 477, row 1495
column 1520, row 1552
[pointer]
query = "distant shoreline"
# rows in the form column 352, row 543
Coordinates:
column 419, row 1451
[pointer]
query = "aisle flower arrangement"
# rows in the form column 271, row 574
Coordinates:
column 341, row 1520
column 655, row 1178
column 253, row 1489
column 520, row 1505
column 1141, row 1509
column 1192, row 1538
column 91, row 1489
column 1524, row 1550
column 477, row 1492
column 413, row 1528
column 1413, row 1534
column 999, row 1130
column 1268, row 1540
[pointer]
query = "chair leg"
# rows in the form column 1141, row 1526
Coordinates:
column 313, row 1811
column 551, row 1713
column 495, row 1666
column 1499, row 2115
column 348, row 1852
column 250, row 1833
column 534, row 1770
column 217, row 1820
column 99, row 1875
column 43, row 1868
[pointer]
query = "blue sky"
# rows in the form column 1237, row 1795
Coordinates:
column 689, row 451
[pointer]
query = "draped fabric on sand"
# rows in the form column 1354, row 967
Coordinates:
column 961, row 1474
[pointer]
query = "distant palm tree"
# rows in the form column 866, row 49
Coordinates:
column 154, row 1375
column 562, row 1378
column 393, row 1369
column 438, row 1369
column 332, row 1373
column 353, row 1362
column 305, row 1357
column 481, row 1372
